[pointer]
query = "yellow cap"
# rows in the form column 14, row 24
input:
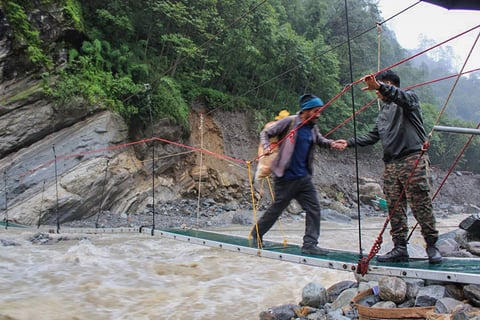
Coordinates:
column 282, row 114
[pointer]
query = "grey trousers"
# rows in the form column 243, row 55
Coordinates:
column 304, row 192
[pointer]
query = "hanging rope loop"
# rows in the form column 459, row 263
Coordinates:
column 425, row 146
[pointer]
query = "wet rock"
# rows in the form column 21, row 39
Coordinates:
column 283, row 312
column 8, row 243
column 40, row 238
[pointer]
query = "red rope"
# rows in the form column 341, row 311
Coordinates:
column 73, row 155
column 455, row 163
column 317, row 112
column 347, row 87
column 406, row 88
column 220, row 156
column 124, row 145
column 351, row 117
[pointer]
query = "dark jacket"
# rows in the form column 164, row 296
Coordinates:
column 286, row 148
column 399, row 125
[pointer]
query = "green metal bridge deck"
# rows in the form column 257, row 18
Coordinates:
column 457, row 270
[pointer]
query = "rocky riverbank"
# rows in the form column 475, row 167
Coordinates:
column 381, row 298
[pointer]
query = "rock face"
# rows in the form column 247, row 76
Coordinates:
column 67, row 162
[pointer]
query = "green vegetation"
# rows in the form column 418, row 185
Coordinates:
column 156, row 57
column 25, row 34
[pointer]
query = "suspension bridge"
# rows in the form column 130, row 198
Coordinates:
column 458, row 270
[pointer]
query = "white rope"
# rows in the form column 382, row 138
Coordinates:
column 379, row 37
column 201, row 165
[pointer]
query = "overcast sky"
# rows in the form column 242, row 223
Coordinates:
column 435, row 23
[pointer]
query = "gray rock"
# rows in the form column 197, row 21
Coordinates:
column 464, row 312
column 471, row 224
column 336, row 315
column 314, row 295
column 455, row 291
column 369, row 300
column 392, row 289
column 446, row 246
column 243, row 218
column 385, row 305
column 267, row 315
column 344, row 298
column 320, row 314
column 283, row 312
column 334, row 290
column 472, row 293
column 332, row 215
column 446, row 305
column 474, row 247
column 428, row 296
column 363, row 286
column 413, row 285
column 410, row 303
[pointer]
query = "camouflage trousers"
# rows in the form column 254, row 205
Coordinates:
column 416, row 196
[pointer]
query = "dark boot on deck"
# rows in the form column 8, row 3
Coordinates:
column 399, row 253
column 255, row 242
column 315, row 250
column 434, row 255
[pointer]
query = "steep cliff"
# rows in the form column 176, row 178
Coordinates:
column 66, row 162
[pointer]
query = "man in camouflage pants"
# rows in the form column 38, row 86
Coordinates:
column 399, row 127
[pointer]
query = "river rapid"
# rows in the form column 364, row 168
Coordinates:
column 140, row 276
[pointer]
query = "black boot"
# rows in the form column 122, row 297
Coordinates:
column 315, row 250
column 399, row 253
column 255, row 242
column 434, row 255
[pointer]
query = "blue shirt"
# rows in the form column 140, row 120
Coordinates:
column 298, row 167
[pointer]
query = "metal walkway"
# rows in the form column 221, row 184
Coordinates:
column 457, row 270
